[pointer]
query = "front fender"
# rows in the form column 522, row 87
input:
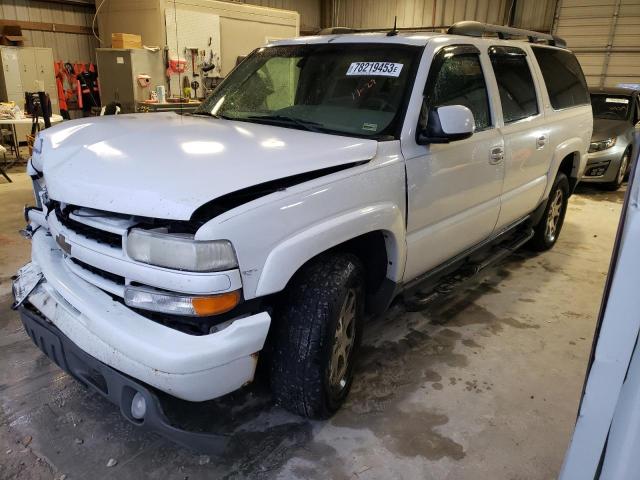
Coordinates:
column 275, row 235
column 287, row 257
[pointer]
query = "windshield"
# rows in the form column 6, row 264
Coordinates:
column 346, row 89
column 612, row 107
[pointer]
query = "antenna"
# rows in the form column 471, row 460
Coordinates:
column 395, row 29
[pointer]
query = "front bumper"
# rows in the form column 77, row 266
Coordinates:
column 112, row 384
column 189, row 367
column 603, row 166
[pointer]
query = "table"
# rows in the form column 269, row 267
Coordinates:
column 55, row 118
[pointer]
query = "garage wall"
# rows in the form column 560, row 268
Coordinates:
column 417, row 13
column 534, row 14
column 309, row 11
column 242, row 27
column 605, row 34
column 70, row 47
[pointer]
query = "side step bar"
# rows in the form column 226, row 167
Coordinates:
column 468, row 271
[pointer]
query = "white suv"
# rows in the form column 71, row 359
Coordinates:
column 324, row 177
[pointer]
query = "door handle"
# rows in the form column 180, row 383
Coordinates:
column 496, row 156
column 541, row 141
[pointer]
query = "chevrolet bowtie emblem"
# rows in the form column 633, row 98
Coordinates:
column 63, row 244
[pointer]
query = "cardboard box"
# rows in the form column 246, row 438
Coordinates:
column 12, row 35
column 126, row 40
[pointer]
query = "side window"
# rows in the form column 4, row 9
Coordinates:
column 457, row 79
column 515, row 83
column 563, row 77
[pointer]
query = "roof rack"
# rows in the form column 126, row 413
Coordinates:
column 477, row 29
column 348, row 30
column 467, row 28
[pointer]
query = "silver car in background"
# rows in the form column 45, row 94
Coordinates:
column 616, row 115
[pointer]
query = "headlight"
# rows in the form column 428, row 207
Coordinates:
column 602, row 144
column 180, row 251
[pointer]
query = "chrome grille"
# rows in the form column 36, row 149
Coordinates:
column 101, row 236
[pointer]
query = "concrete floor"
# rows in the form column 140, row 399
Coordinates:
column 484, row 386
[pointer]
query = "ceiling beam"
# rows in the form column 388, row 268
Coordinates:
column 47, row 27
column 74, row 3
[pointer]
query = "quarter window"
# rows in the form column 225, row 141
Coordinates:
column 563, row 77
column 458, row 80
column 515, row 83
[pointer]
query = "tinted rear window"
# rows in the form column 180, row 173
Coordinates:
column 563, row 76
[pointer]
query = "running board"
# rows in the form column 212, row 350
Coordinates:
column 467, row 272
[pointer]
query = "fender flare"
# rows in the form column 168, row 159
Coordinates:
column 565, row 148
column 286, row 258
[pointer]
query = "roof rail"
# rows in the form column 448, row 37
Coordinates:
column 347, row 30
column 477, row 29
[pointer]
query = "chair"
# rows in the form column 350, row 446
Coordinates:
column 8, row 133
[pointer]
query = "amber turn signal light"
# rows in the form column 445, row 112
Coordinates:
column 215, row 305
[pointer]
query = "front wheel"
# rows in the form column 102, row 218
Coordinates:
column 317, row 334
column 547, row 230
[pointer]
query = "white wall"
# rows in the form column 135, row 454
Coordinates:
column 309, row 11
column 242, row 27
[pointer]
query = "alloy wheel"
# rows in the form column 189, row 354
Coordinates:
column 343, row 342
column 553, row 216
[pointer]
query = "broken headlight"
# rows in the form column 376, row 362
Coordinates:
column 180, row 251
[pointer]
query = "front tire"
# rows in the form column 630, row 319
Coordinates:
column 622, row 172
column 317, row 335
column 547, row 231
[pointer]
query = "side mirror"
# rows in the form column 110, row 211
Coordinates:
column 447, row 124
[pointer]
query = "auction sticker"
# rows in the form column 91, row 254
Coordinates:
column 384, row 69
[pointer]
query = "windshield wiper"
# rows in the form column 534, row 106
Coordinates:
column 204, row 114
column 304, row 124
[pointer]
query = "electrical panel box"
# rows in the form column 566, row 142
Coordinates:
column 119, row 70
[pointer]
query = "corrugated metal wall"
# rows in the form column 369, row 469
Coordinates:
column 534, row 14
column 605, row 34
column 309, row 11
column 417, row 13
column 69, row 47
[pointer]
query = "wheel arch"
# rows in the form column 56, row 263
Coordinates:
column 374, row 234
column 569, row 160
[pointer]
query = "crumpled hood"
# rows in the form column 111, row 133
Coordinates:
column 607, row 128
column 165, row 165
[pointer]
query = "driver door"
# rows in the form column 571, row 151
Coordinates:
column 454, row 189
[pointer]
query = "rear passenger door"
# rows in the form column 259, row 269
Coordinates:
column 454, row 188
column 526, row 137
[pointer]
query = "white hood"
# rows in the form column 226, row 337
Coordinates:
column 165, row 165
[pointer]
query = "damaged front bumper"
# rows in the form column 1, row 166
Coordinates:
column 112, row 384
column 104, row 332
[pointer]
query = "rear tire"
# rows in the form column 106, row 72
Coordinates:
column 547, row 231
column 622, row 172
column 317, row 335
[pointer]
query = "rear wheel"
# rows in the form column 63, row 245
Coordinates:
column 622, row 172
column 547, row 230
column 317, row 334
